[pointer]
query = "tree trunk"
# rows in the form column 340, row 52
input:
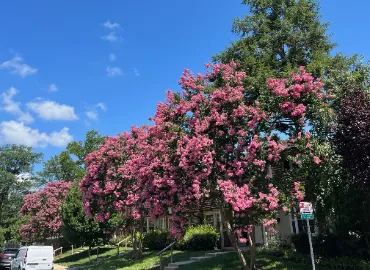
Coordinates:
column 233, row 238
column 140, row 244
column 133, row 233
column 252, row 244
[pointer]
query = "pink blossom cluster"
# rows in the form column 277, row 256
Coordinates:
column 297, row 193
column 293, row 93
column 206, row 143
column 42, row 210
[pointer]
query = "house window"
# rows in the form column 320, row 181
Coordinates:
column 213, row 219
column 209, row 219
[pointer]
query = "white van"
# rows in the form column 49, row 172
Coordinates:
column 34, row 258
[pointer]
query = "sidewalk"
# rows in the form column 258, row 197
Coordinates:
column 60, row 267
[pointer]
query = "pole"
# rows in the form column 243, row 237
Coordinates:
column 72, row 249
column 310, row 241
column 160, row 262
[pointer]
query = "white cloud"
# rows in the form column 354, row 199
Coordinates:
column 52, row 88
column 110, row 25
column 92, row 112
column 110, row 37
column 92, row 115
column 12, row 107
column 113, row 71
column 136, row 72
column 51, row 110
column 16, row 66
column 12, row 132
column 102, row 106
column 112, row 57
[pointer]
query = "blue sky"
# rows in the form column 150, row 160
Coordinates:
column 70, row 66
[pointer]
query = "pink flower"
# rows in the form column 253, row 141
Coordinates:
column 242, row 240
column 316, row 160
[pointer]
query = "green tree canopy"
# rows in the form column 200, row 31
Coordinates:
column 16, row 179
column 81, row 149
column 77, row 227
column 276, row 37
column 61, row 167
column 69, row 164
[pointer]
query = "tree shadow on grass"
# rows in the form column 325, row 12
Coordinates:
column 125, row 261
column 81, row 256
column 231, row 261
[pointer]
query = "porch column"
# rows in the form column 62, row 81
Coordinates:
column 221, row 232
column 265, row 235
column 291, row 223
column 295, row 221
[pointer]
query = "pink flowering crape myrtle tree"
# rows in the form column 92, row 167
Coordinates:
column 208, row 144
column 110, row 185
column 221, row 147
column 42, row 210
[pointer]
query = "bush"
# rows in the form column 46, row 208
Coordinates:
column 200, row 237
column 333, row 263
column 331, row 245
column 156, row 239
column 301, row 243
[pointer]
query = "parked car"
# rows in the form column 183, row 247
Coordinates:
column 34, row 257
column 6, row 256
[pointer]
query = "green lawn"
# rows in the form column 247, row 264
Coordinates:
column 231, row 261
column 69, row 252
column 82, row 258
column 150, row 260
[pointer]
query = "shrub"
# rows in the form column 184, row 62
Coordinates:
column 345, row 263
column 301, row 243
column 156, row 239
column 200, row 237
column 331, row 245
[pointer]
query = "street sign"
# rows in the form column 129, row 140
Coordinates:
column 306, row 211
column 306, row 216
column 305, row 208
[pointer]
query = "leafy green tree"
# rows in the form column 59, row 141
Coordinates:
column 69, row 164
column 61, row 167
column 81, row 149
column 16, row 179
column 276, row 37
column 77, row 227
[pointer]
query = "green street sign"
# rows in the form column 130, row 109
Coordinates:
column 306, row 216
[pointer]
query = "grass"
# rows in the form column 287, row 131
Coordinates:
column 69, row 252
column 82, row 258
column 150, row 260
column 231, row 261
